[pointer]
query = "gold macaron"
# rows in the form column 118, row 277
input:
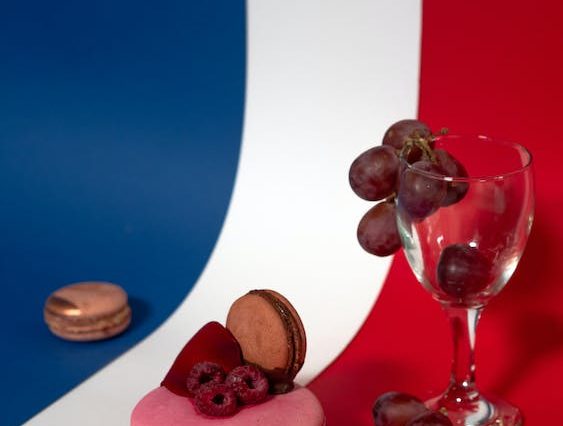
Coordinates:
column 87, row 311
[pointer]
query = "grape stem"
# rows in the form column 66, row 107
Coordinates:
column 415, row 140
column 390, row 198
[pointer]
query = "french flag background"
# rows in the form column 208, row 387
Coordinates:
column 193, row 150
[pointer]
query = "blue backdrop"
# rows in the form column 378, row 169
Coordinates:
column 120, row 127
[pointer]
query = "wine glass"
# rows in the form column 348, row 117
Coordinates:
column 463, row 238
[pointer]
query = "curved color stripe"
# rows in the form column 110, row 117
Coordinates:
column 120, row 130
column 491, row 68
column 324, row 78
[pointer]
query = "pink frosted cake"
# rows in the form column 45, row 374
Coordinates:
column 296, row 408
column 239, row 375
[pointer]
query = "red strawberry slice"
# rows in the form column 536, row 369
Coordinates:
column 213, row 343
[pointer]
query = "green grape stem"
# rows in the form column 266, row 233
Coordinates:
column 415, row 140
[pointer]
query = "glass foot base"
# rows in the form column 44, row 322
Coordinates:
column 481, row 412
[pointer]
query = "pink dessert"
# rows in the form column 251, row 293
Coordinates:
column 296, row 408
column 241, row 374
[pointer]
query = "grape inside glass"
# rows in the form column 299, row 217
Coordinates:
column 463, row 238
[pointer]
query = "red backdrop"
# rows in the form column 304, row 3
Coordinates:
column 496, row 68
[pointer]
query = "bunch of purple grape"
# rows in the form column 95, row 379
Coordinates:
column 392, row 170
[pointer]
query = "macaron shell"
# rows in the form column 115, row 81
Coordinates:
column 91, row 299
column 87, row 311
column 270, row 333
column 261, row 332
column 161, row 407
column 102, row 328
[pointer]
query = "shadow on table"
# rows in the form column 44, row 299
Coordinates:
column 140, row 310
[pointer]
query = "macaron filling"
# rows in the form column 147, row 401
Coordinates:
column 77, row 325
column 283, row 379
column 58, row 321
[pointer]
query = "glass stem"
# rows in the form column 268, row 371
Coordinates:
column 463, row 321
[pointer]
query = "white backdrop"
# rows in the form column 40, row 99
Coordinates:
column 324, row 80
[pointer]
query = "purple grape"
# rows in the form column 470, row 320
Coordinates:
column 451, row 167
column 420, row 195
column 397, row 133
column 377, row 231
column 430, row 418
column 463, row 271
column 396, row 409
column 373, row 175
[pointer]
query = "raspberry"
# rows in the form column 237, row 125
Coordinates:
column 431, row 418
column 204, row 373
column 216, row 399
column 249, row 383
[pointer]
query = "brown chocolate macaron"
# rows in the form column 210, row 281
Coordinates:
column 87, row 311
column 270, row 334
